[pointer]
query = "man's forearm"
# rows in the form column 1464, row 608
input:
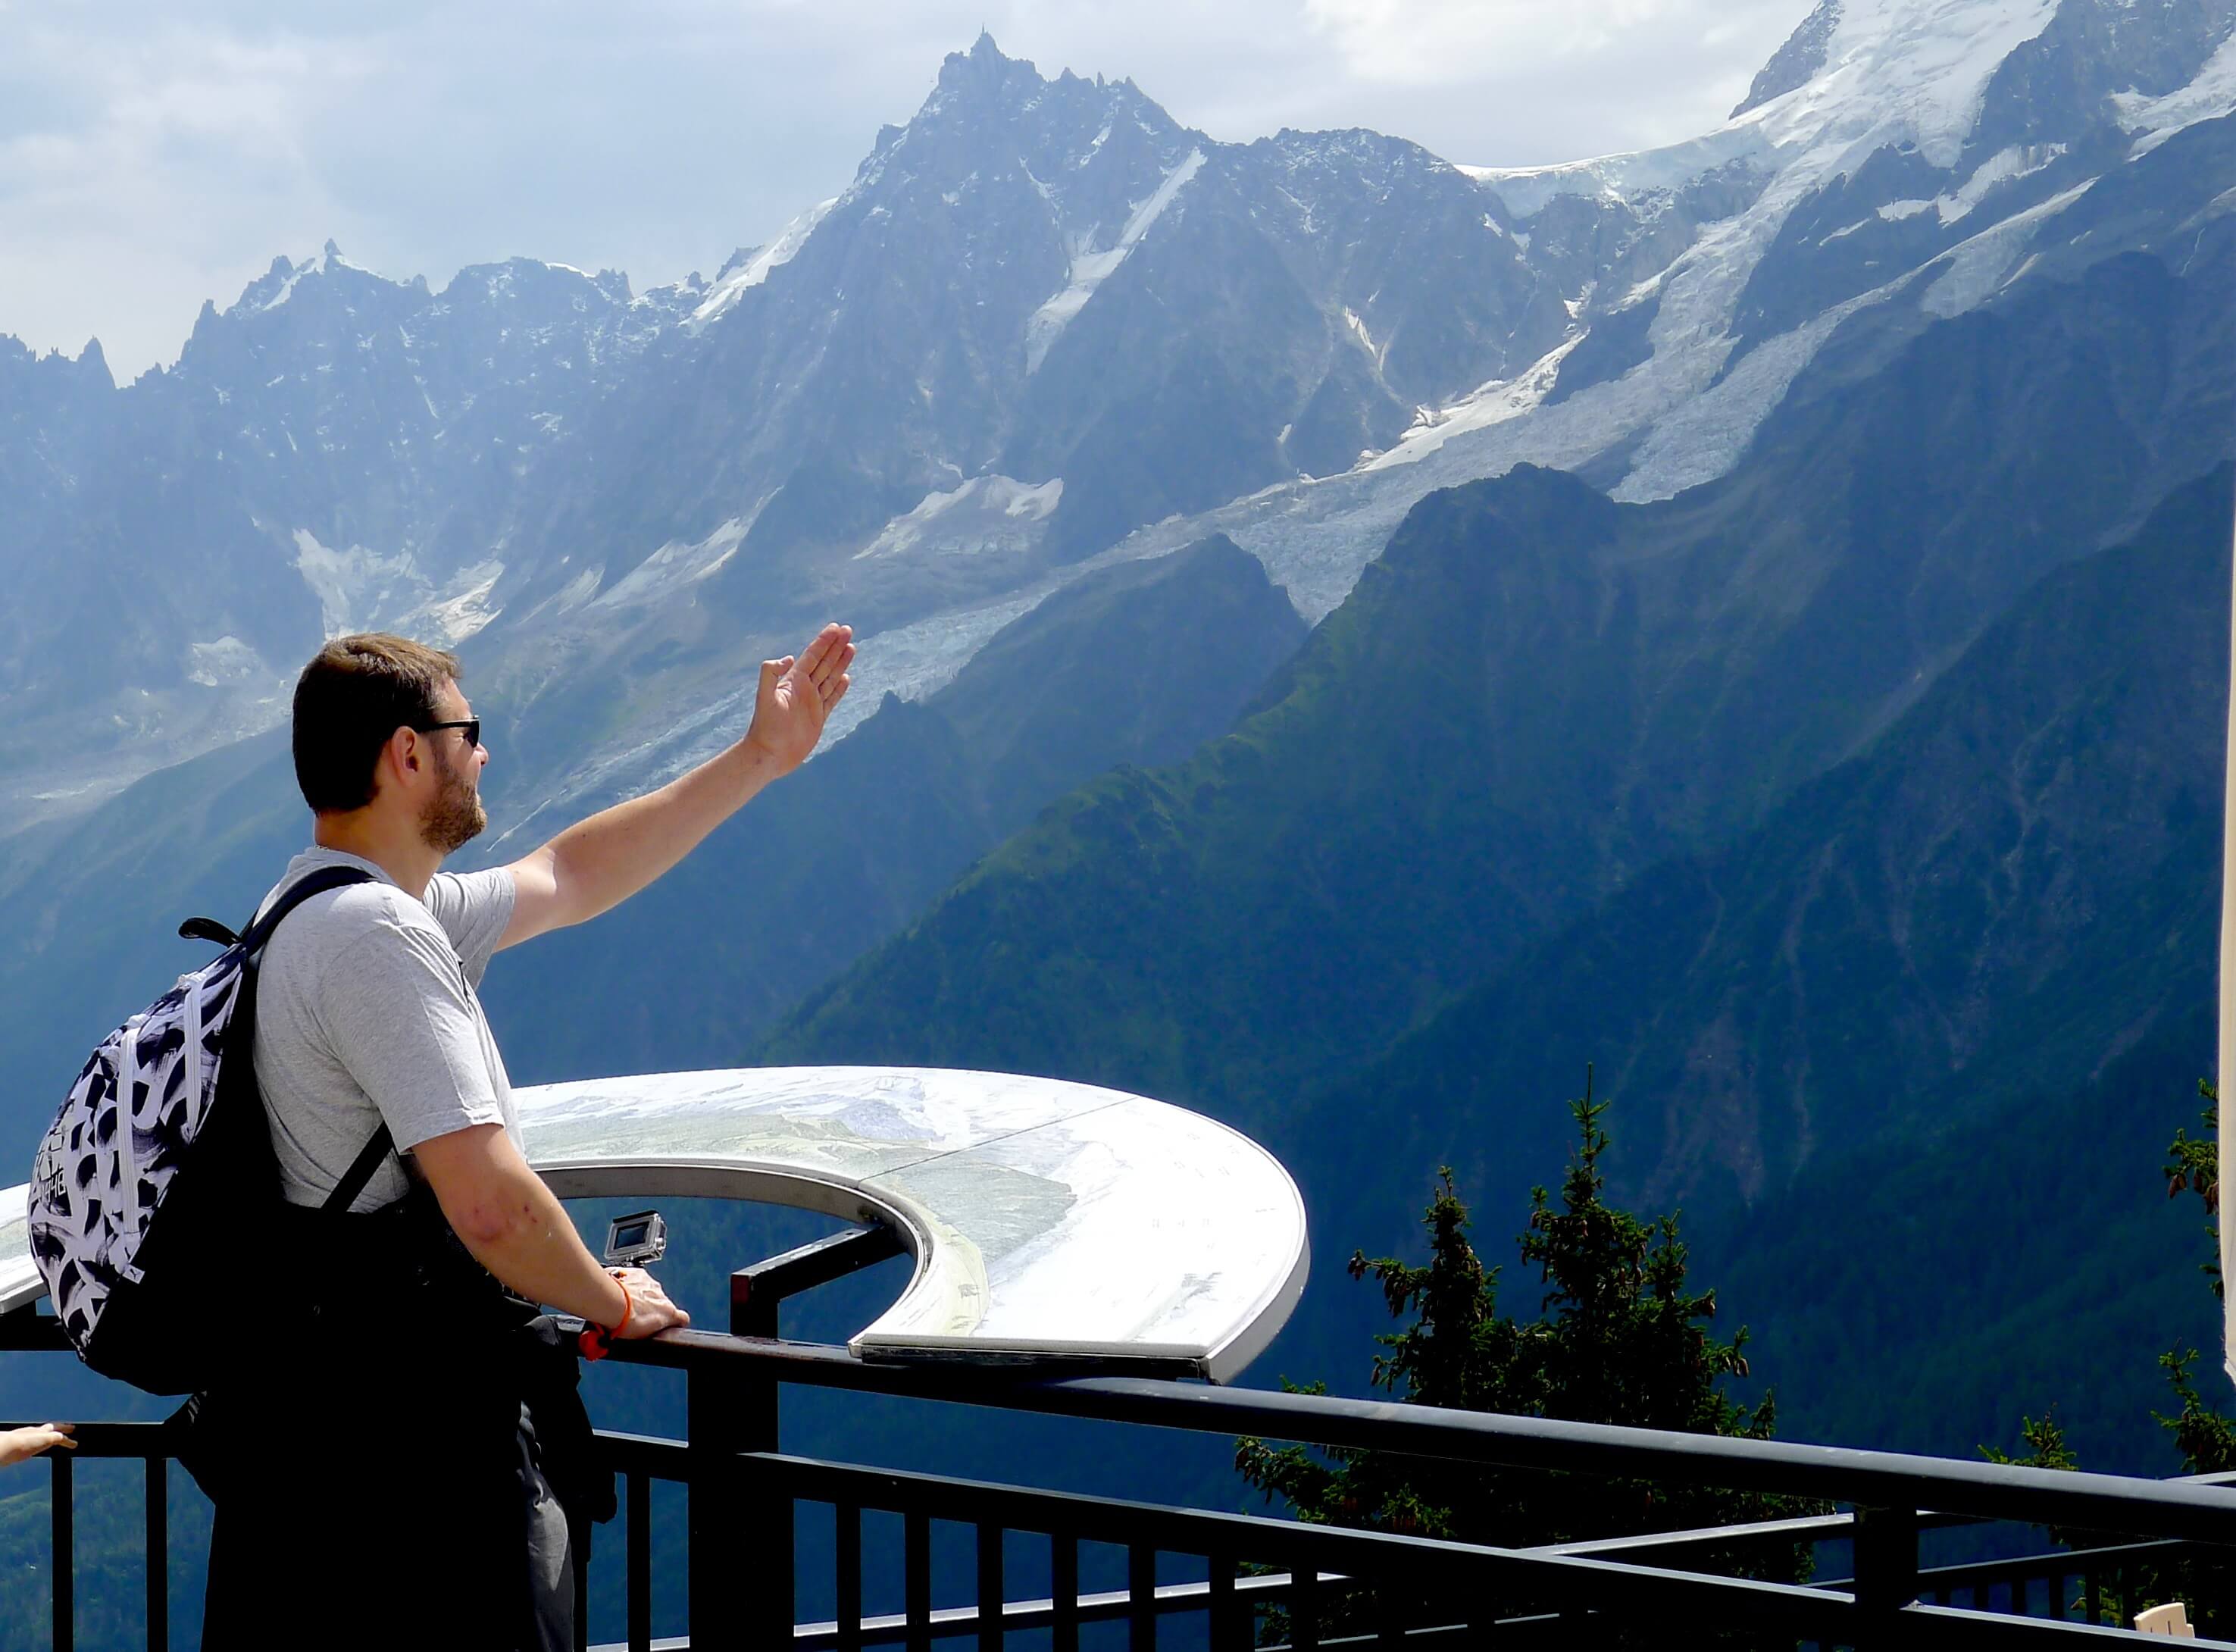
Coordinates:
column 596, row 864
column 545, row 1261
column 593, row 866
column 514, row 1227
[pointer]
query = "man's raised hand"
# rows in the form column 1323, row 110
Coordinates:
column 796, row 694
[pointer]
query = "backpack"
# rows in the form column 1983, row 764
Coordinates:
column 154, row 1188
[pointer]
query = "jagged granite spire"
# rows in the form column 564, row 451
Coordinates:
column 93, row 360
column 983, row 69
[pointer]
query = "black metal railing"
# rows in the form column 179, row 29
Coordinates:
column 1330, row 1584
column 151, row 1445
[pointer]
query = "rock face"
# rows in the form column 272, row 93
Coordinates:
column 1043, row 314
column 1534, row 695
column 1045, row 323
column 335, row 450
column 1798, row 62
column 1138, row 663
column 1811, row 754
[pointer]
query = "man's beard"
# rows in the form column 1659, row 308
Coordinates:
column 455, row 816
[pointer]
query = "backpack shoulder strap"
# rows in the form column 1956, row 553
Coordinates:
column 360, row 1172
column 253, row 938
column 258, row 932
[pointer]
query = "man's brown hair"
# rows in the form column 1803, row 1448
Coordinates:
column 356, row 692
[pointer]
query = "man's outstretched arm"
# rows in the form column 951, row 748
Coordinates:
column 598, row 863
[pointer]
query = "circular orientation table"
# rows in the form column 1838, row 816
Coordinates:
column 1047, row 1220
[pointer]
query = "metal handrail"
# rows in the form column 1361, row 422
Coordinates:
column 2202, row 1511
column 732, row 1406
column 1939, row 1580
column 1331, row 1556
column 1816, row 1528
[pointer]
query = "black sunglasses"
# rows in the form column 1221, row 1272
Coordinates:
column 471, row 725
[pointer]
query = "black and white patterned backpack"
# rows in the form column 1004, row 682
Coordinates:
column 149, row 1192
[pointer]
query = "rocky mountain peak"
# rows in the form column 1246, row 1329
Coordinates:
column 1046, row 170
column 91, row 362
column 982, row 91
column 88, row 370
column 285, row 281
column 983, row 77
column 1795, row 63
column 2095, row 58
column 1017, row 325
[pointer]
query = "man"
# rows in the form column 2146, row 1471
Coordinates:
column 367, row 1018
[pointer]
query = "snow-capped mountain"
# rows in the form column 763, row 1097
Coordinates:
column 1045, row 325
column 334, row 450
column 1897, row 162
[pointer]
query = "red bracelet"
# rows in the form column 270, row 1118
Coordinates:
column 595, row 1340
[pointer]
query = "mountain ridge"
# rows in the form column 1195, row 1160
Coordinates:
column 1591, row 687
column 692, row 473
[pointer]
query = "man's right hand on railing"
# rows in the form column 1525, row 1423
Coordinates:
column 645, row 1311
column 514, row 1225
column 649, row 1310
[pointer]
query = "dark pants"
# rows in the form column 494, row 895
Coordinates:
column 399, row 1468
column 460, row 1549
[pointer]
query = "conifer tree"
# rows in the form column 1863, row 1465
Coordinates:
column 1617, row 1337
column 2206, row 1437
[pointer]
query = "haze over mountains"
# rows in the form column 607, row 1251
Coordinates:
column 1765, row 600
column 1043, row 316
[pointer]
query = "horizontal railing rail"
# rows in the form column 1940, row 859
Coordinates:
column 1816, row 1528
column 743, row 1491
column 2195, row 1510
column 152, row 1444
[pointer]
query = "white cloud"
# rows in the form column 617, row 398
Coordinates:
column 139, row 174
column 1419, row 43
column 151, row 156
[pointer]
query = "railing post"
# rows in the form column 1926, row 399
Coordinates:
column 741, row 1561
column 753, row 1313
column 1230, row 1628
column 1142, row 1598
column 916, row 1578
column 159, row 1553
column 719, row 1570
column 991, row 1589
column 848, row 1561
column 1886, row 1573
column 65, row 1574
column 1064, row 1585
column 742, row 1417
column 640, row 1561
column 1304, row 1606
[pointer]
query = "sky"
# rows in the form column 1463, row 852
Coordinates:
column 153, row 155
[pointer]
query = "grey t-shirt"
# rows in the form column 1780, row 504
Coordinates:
column 366, row 1011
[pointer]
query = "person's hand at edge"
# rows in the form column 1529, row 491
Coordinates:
column 650, row 1311
column 19, row 1444
column 796, row 694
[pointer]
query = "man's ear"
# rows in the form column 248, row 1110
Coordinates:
column 405, row 754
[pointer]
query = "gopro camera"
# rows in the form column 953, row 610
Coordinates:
column 635, row 1240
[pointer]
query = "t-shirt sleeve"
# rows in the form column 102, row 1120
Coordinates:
column 473, row 908
column 403, row 1026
